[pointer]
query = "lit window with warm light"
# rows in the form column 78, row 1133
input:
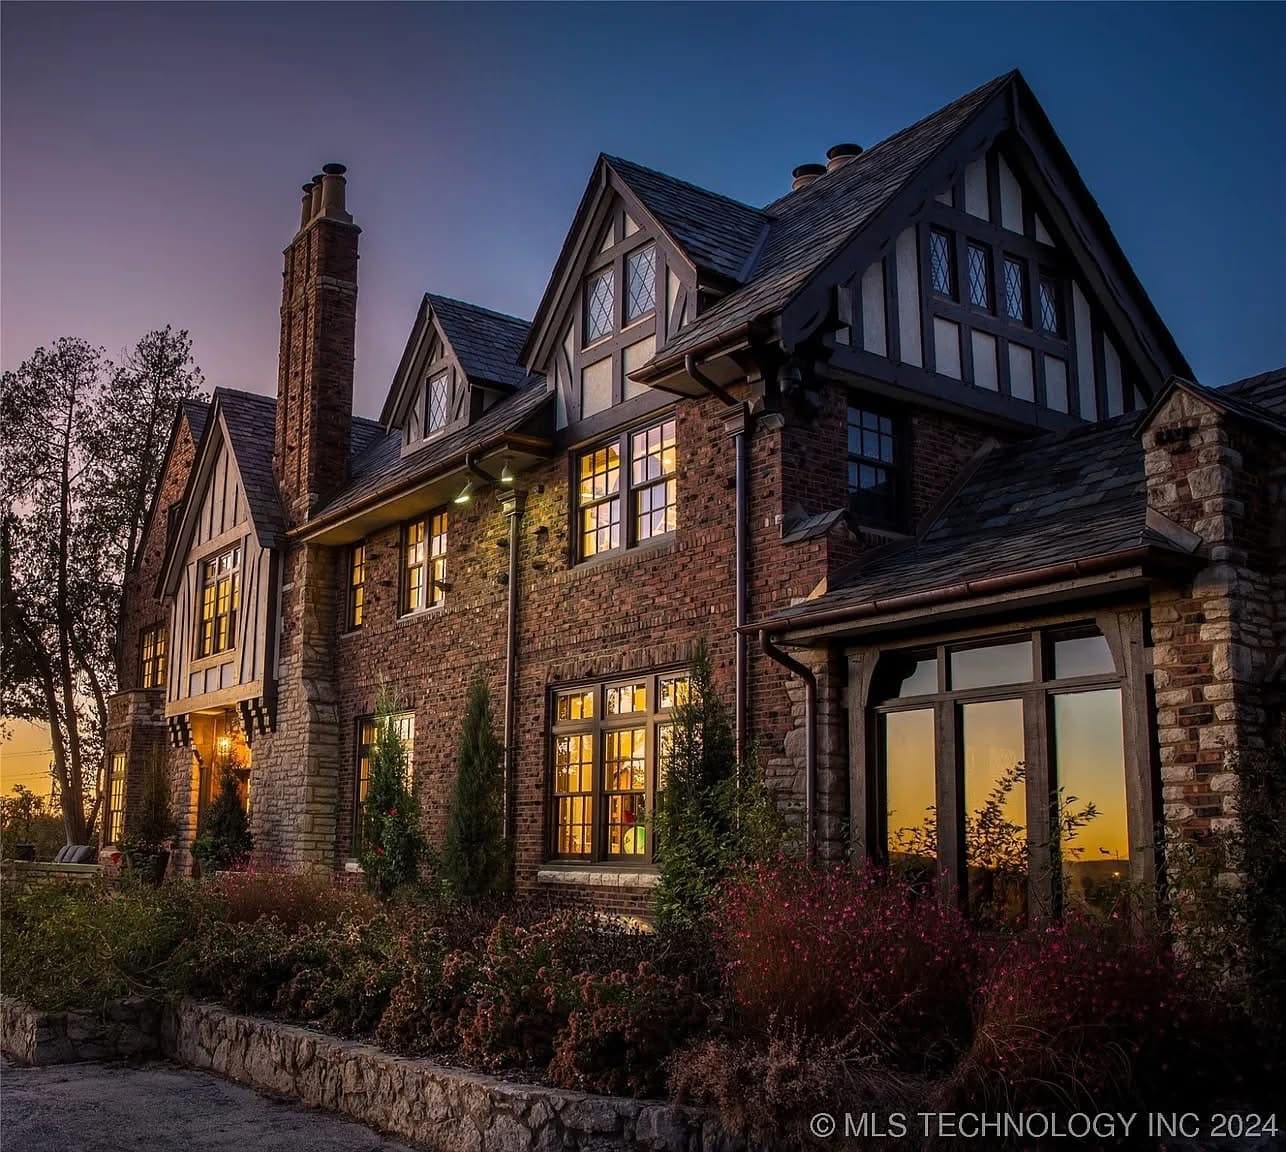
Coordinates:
column 356, row 586
column 152, row 657
column 647, row 486
column 424, row 562
column 220, row 602
column 367, row 736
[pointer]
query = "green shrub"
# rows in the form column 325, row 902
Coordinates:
column 710, row 817
column 392, row 844
column 224, row 840
column 475, row 861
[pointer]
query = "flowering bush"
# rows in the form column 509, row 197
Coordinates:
column 290, row 898
column 842, row 954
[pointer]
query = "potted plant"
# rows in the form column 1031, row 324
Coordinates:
column 224, row 840
column 146, row 843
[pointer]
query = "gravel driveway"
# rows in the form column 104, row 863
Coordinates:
column 161, row 1108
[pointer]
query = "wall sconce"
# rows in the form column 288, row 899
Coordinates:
column 223, row 745
column 506, row 474
column 466, row 493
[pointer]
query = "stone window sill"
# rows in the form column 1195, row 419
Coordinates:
column 599, row 876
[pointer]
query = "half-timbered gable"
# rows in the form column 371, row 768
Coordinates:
column 221, row 571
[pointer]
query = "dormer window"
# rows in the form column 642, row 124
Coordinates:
column 640, row 283
column 600, row 303
column 438, row 412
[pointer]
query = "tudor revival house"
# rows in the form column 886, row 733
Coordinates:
column 908, row 448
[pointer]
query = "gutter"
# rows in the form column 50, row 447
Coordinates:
column 741, row 452
column 513, row 502
column 1006, row 582
column 809, row 678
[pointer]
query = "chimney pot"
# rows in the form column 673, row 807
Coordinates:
column 805, row 174
column 840, row 154
column 317, row 194
column 332, row 192
column 306, row 207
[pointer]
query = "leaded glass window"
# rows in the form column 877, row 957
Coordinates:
column 654, row 470
column 980, row 276
column 640, row 283
column 1051, row 311
column 608, row 744
column 439, row 411
column 600, row 304
column 1015, row 289
column 872, row 464
column 942, row 273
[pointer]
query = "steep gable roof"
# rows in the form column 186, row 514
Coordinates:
column 251, row 420
column 718, row 234
column 1267, row 391
column 486, row 343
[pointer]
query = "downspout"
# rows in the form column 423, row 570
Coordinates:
column 809, row 678
column 513, row 502
column 739, row 420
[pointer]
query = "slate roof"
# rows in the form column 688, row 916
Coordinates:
column 383, row 469
column 487, row 343
column 719, row 234
column 196, row 411
column 251, row 421
column 1261, row 398
column 808, row 227
column 1047, row 501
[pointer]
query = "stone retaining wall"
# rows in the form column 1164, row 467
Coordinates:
column 29, row 873
column 126, row 1030
column 439, row 1107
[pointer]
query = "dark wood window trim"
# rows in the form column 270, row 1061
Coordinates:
column 364, row 741
column 355, row 600
column 151, row 646
column 629, row 447
column 895, row 514
column 581, row 812
column 116, row 778
column 422, row 563
column 1124, row 632
column 218, row 602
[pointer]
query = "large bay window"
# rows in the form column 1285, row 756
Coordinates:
column 1001, row 770
column 608, row 746
column 648, row 484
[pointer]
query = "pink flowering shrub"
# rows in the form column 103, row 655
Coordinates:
column 837, row 953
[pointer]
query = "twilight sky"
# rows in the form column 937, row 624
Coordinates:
column 151, row 155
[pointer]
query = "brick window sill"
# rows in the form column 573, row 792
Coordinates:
column 598, row 876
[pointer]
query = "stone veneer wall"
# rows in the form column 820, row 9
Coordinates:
column 128, row 1029
column 1214, row 637
column 439, row 1107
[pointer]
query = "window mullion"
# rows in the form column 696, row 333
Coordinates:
column 1041, row 882
column 950, row 801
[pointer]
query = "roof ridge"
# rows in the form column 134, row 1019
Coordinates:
column 243, row 394
column 479, row 308
column 689, row 184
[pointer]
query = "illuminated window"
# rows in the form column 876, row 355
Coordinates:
column 367, row 734
column 609, row 748
column 220, row 601
column 600, row 306
column 439, row 403
column 424, row 552
column 640, row 283
column 872, row 465
column 650, row 486
column 152, row 651
column 356, row 585
column 116, row 799
column 1038, row 714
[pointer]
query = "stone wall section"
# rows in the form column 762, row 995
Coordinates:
column 127, row 1029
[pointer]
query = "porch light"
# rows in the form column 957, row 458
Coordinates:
column 506, row 474
column 466, row 493
column 224, row 745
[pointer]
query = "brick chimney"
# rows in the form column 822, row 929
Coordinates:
column 315, row 368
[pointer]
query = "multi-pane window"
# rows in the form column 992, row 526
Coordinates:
column 640, row 283
column 653, row 476
column 1015, row 289
column 116, row 799
column 1009, row 721
column 220, row 601
column 424, row 562
column 439, row 403
column 367, row 736
column 979, row 276
column 152, row 652
column 648, row 483
column 600, row 305
column 942, row 272
column 356, row 585
column 1051, row 306
column 872, row 464
column 608, row 749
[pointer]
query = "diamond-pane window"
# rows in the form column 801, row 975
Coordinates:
column 941, row 268
column 600, row 298
column 640, row 283
column 979, row 276
column 1015, row 290
column 1051, row 313
column 439, row 402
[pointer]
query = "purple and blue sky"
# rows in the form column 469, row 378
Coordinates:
column 151, row 155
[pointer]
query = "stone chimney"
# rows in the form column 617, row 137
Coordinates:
column 315, row 367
